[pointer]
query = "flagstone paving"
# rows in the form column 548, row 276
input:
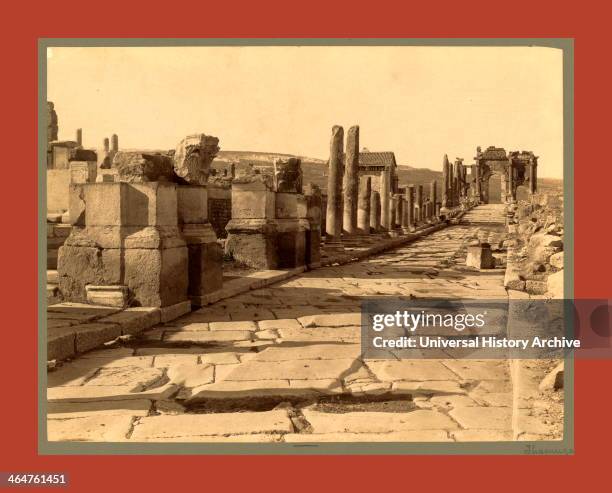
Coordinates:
column 282, row 363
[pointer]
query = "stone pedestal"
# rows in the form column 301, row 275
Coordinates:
column 205, row 253
column 480, row 256
column 252, row 230
column 292, row 224
column 363, row 211
column 129, row 237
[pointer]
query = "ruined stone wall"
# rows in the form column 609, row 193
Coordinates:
column 535, row 245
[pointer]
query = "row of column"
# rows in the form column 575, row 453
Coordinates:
column 454, row 182
column 354, row 207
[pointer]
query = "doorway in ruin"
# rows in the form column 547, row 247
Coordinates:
column 494, row 186
column 523, row 193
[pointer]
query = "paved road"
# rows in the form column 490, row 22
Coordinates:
column 282, row 364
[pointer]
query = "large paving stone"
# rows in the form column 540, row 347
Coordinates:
column 378, row 422
column 483, row 418
column 91, row 428
column 135, row 377
column 311, row 351
column 321, row 334
column 479, row 370
column 292, row 370
column 285, row 323
column 207, row 336
column 411, row 370
column 107, row 393
column 188, row 426
column 235, row 326
column 238, row 390
column 190, row 375
column 64, row 410
column 335, row 320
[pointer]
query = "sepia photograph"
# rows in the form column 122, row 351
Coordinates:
column 301, row 244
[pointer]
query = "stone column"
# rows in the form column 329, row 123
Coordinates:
column 433, row 197
column 79, row 137
column 410, row 207
column 393, row 207
column 385, row 190
column 533, row 176
column 478, row 191
column 351, row 181
column 114, row 143
column 313, row 236
column 374, row 211
column 512, row 197
column 445, row 181
column 106, row 145
column 419, row 204
column 363, row 213
column 333, row 222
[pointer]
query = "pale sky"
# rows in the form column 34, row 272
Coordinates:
column 419, row 102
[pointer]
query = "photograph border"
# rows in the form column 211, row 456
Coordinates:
column 561, row 447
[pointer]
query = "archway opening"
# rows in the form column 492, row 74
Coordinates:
column 522, row 193
column 495, row 189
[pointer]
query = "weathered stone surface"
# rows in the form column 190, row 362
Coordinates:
column 193, row 156
column 135, row 377
column 190, row 375
column 410, row 370
column 138, row 167
column 321, row 334
column 483, row 418
column 480, row 257
column 378, row 422
column 209, row 336
column 89, row 336
column 246, row 325
column 65, row 410
column 90, row 429
column 134, row 320
column 293, row 370
column 90, row 393
column 479, row 370
column 187, row 426
column 336, row 320
column 310, row 352
column 555, row 285
column 557, row 260
column 285, row 323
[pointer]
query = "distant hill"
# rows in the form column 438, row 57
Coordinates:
column 315, row 170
